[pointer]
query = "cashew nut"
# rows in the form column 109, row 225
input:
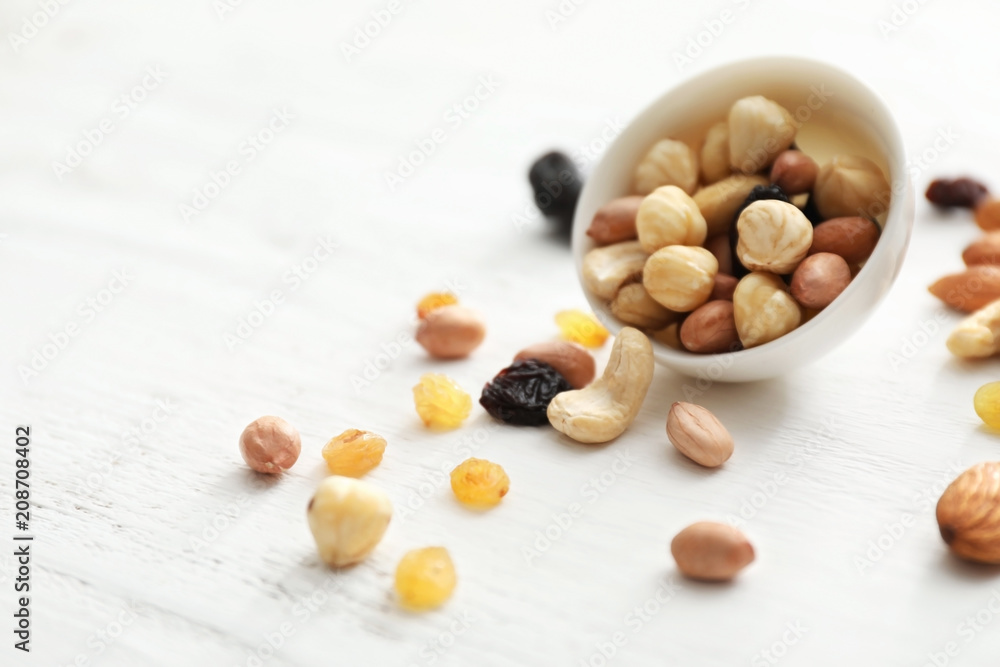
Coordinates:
column 978, row 335
column 603, row 410
column 608, row 268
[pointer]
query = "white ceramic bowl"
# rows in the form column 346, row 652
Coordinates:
column 799, row 85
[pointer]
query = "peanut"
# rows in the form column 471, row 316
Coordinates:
column 451, row 332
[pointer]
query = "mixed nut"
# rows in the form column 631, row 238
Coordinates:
column 720, row 224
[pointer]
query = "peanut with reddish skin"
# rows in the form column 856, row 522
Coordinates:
column 853, row 238
column 820, row 279
column 451, row 332
column 270, row 445
column 711, row 329
column 794, row 172
column 988, row 214
column 711, row 551
column 723, row 252
column 615, row 221
column 724, row 287
column 572, row 361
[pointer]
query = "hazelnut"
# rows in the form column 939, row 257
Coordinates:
column 763, row 309
column 820, row 279
column 759, row 130
column 668, row 162
column 669, row 216
column 270, row 445
column 851, row 185
column 451, row 332
column 794, row 172
column 347, row 518
column 635, row 307
column 773, row 236
column 680, row 277
column 715, row 153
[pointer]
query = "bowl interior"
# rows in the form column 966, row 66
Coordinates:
column 834, row 113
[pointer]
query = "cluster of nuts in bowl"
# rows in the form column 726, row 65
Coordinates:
column 736, row 244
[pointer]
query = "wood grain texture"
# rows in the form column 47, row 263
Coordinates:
column 150, row 528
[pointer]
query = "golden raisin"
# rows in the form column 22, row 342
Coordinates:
column 479, row 483
column 353, row 453
column 580, row 327
column 440, row 402
column 433, row 301
column 425, row 578
column 987, row 404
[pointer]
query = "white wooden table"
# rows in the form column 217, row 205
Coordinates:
column 153, row 543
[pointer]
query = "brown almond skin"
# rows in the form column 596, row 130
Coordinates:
column 698, row 434
column 615, row 221
column 710, row 551
column 571, row 360
column 820, row 279
column 985, row 250
column 988, row 214
column 723, row 252
column 724, row 287
column 794, row 172
column 451, row 332
column 852, row 238
column 711, row 329
column 968, row 514
column 969, row 290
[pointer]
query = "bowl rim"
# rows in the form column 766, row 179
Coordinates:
column 899, row 187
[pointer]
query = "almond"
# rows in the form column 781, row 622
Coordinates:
column 615, row 221
column 985, row 250
column 968, row 514
column 852, row 238
column 711, row 551
column 970, row 290
column 711, row 329
column 699, row 435
column 988, row 214
column 572, row 361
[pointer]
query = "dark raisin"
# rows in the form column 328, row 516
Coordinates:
column 759, row 193
column 520, row 394
column 557, row 185
column 958, row 193
column 811, row 211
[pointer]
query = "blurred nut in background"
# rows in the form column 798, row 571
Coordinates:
column 985, row 250
column 669, row 216
column 606, row 269
column 615, row 221
column 759, row 130
column 715, row 153
column 763, row 308
column 451, row 332
column 347, row 518
column 794, row 172
column 773, row 236
column 668, row 162
column 851, row 185
column 988, row 214
column 270, row 444
column 680, row 278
